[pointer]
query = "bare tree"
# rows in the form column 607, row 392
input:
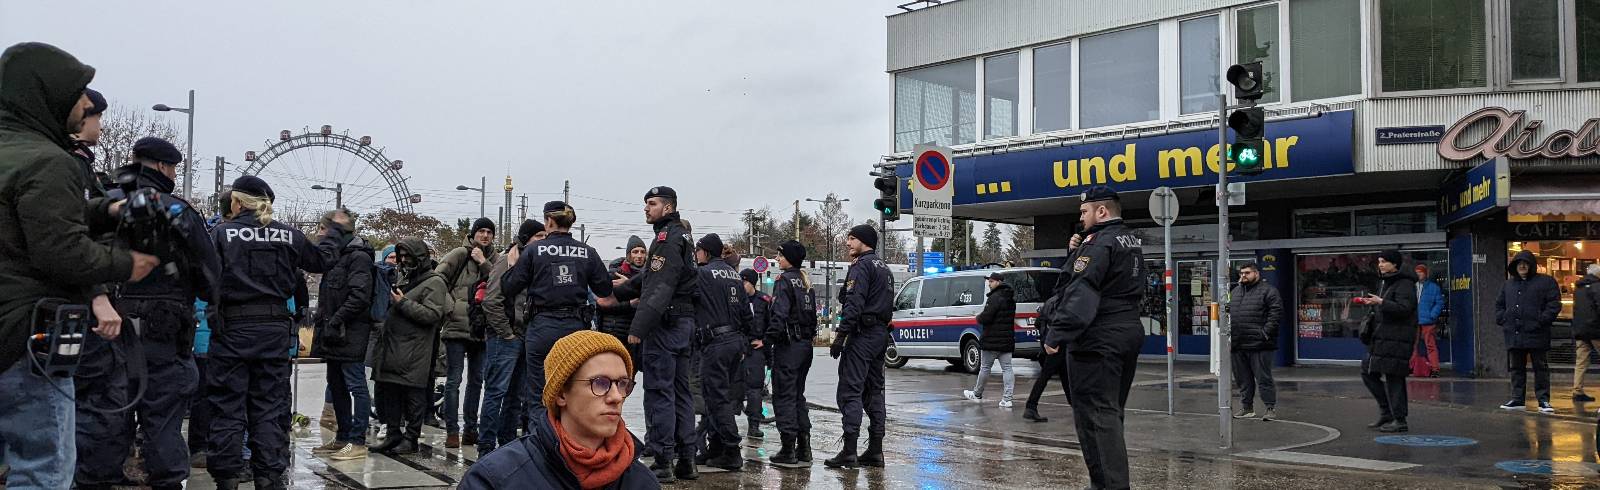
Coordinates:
column 120, row 127
column 834, row 220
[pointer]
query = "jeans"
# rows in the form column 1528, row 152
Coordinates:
column 1390, row 391
column 472, row 352
column 37, row 419
column 352, row 405
column 988, row 358
column 1584, row 348
column 503, row 392
column 1519, row 360
column 1254, row 368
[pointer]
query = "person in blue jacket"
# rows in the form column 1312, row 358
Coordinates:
column 1430, row 304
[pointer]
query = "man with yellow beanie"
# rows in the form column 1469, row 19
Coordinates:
column 579, row 440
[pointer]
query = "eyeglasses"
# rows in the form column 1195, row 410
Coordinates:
column 602, row 386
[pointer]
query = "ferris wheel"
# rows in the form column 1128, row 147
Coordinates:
column 319, row 170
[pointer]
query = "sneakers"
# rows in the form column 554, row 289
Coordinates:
column 1271, row 415
column 1582, row 397
column 1244, row 413
column 1544, row 407
column 1514, row 405
column 350, row 451
column 971, row 396
column 1395, row 426
column 329, row 448
column 1005, row 403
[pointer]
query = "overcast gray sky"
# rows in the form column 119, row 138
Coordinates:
column 718, row 99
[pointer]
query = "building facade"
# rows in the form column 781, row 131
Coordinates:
column 1458, row 131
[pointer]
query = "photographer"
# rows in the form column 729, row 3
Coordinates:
column 159, row 309
column 46, row 252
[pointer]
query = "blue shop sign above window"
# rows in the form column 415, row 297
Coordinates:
column 1485, row 188
column 1302, row 148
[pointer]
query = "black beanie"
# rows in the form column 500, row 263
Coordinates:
column 98, row 103
column 1393, row 256
column 867, row 234
column 528, row 229
column 482, row 223
column 712, row 244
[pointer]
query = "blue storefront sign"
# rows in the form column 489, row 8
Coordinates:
column 1485, row 188
column 1461, row 308
column 1407, row 135
column 1315, row 147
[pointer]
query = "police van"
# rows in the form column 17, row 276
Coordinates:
column 936, row 316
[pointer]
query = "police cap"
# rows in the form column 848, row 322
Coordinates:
column 99, row 102
column 157, row 149
column 252, row 185
column 555, row 207
column 661, row 191
column 1100, row 193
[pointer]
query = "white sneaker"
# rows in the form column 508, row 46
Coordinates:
column 1544, row 407
column 1005, row 403
column 971, row 396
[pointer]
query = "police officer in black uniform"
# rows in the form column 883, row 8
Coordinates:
column 859, row 344
column 755, row 357
column 664, row 323
column 1095, row 317
column 724, row 318
column 160, row 310
column 248, row 367
column 558, row 273
column 793, row 324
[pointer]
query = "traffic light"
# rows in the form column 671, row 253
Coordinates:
column 1248, row 152
column 888, row 202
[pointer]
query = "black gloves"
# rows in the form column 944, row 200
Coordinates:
column 837, row 349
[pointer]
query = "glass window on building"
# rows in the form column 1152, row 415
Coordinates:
column 1372, row 222
column 937, row 104
column 1257, row 38
column 1325, row 41
column 1588, row 29
column 1242, row 227
column 1432, row 44
column 1052, row 88
column 1322, row 224
column 1199, row 62
column 1535, row 39
column 1327, row 284
column 1000, row 93
column 1120, row 79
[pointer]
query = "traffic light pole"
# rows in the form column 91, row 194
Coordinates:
column 1219, row 279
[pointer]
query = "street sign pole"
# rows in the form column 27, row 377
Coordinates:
column 1164, row 208
column 1219, row 280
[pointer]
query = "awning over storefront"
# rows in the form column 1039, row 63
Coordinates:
column 1552, row 194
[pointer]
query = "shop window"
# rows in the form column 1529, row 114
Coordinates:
column 1000, row 96
column 1257, row 38
column 1322, row 225
column 1564, row 260
column 1432, row 44
column 936, row 104
column 1120, row 78
column 1394, row 222
column 1199, row 62
column 1588, row 29
column 1535, row 39
column 1328, row 282
column 1325, row 40
column 1243, row 228
column 1052, row 87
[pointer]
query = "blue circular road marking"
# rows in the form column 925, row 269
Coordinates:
column 1552, row 468
column 1426, row 441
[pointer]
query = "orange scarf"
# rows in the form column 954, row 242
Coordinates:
column 596, row 468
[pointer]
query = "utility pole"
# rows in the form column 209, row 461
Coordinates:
column 522, row 210
column 1219, row 280
column 797, row 220
column 222, row 172
column 566, row 191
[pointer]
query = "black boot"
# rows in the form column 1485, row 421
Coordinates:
column 754, row 428
column 1398, row 425
column 704, row 456
column 802, row 447
column 270, row 482
column 785, row 455
column 874, row 454
column 847, row 455
column 390, row 440
column 686, row 470
column 227, row 484
column 663, row 470
column 1032, row 415
column 727, row 458
column 1382, row 421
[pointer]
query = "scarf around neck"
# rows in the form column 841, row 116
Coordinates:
column 596, row 468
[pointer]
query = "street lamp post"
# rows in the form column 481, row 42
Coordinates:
column 338, row 193
column 482, row 194
column 188, row 143
column 827, row 293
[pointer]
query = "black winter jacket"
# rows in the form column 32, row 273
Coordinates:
column 615, row 320
column 344, row 319
column 1527, row 306
column 1392, row 336
column 999, row 320
column 1586, row 309
column 534, row 461
column 1256, row 311
column 406, row 350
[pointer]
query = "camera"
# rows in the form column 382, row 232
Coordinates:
column 148, row 224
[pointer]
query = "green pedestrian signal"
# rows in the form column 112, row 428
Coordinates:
column 1247, row 151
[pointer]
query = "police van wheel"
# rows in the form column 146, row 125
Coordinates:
column 969, row 355
column 892, row 359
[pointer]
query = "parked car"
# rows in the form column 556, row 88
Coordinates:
column 936, row 316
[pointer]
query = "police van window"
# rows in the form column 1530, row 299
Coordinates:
column 1031, row 286
column 967, row 290
column 908, row 296
column 935, row 293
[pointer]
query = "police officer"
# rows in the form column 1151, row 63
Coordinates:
column 859, row 344
column 159, row 310
column 558, row 272
column 664, row 323
column 1096, row 319
column 725, row 322
column 788, row 337
column 248, row 371
column 84, row 141
column 755, row 358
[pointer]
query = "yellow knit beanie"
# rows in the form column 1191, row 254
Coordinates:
column 570, row 353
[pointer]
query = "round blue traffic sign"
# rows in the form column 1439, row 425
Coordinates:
column 932, row 170
column 760, row 265
column 1426, row 441
column 1551, row 468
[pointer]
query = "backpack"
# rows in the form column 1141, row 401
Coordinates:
column 476, row 317
column 382, row 283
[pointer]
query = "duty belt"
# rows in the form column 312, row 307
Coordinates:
column 713, row 334
column 571, row 310
column 270, row 310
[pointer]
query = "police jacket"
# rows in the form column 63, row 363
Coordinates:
column 667, row 285
column 405, row 350
column 760, row 316
column 615, row 320
column 558, row 272
column 1391, row 335
column 462, row 273
column 1100, row 289
column 1254, row 312
column 535, row 461
column 194, row 258
column 507, row 316
column 344, row 314
column 868, row 295
column 46, row 250
column 791, row 301
column 722, row 300
column 1586, row 308
column 999, row 320
column 259, row 261
column 1527, row 306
